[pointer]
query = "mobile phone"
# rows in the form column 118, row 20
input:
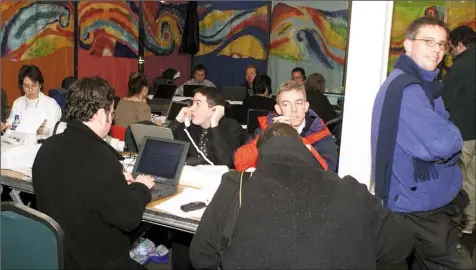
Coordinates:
column 192, row 206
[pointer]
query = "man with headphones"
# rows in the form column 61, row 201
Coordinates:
column 199, row 74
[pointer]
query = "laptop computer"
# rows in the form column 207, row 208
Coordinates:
column 162, row 159
column 234, row 93
column 165, row 91
column 174, row 109
column 140, row 131
column 252, row 120
column 189, row 89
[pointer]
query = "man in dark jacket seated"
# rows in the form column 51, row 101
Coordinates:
column 79, row 182
column 215, row 136
column 291, row 214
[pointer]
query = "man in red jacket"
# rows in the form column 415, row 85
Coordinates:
column 293, row 109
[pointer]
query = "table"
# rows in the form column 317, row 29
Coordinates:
column 16, row 181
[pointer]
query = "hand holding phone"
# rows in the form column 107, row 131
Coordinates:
column 185, row 113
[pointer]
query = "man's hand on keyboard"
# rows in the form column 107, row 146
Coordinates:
column 146, row 180
column 129, row 177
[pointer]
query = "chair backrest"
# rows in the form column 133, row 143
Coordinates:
column 60, row 95
column 118, row 132
column 30, row 239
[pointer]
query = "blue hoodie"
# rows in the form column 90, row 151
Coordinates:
column 423, row 134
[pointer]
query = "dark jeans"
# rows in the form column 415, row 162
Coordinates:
column 437, row 243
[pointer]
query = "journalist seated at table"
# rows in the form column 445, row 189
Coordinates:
column 79, row 182
column 261, row 98
column 215, row 135
column 34, row 106
column 134, row 109
column 288, row 214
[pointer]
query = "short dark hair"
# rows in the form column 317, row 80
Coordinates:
column 199, row 67
column 261, row 83
column 67, row 82
column 275, row 130
column 136, row 82
column 300, row 70
column 87, row 96
column 32, row 72
column 463, row 34
column 415, row 26
column 315, row 82
column 214, row 97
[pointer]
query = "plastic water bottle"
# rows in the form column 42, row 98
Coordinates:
column 16, row 122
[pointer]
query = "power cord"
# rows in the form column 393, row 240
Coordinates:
column 196, row 147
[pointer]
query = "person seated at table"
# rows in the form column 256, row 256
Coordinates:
column 250, row 75
column 261, row 98
column 215, row 135
column 79, row 182
column 288, row 214
column 199, row 74
column 315, row 86
column 34, row 105
column 134, row 108
column 298, row 75
column 292, row 108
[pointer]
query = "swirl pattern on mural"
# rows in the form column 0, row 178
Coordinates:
column 109, row 28
column 309, row 34
column 164, row 23
column 233, row 30
column 35, row 29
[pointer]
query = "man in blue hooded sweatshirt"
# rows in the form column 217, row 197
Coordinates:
column 415, row 149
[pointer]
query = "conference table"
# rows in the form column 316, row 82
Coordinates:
column 18, row 184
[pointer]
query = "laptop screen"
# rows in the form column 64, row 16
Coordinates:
column 162, row 158
column 174, row 109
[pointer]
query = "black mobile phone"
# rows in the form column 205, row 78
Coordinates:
column 192, row 206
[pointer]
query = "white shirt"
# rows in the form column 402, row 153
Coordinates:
column 44, row 107
column 179, row 91
column 301, row 127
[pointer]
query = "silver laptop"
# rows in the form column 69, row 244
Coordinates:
column 139, row 131
column 162, row 159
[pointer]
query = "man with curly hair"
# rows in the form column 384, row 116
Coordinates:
column 78, row 181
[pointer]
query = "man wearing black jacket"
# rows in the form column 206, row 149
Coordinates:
column 294, row 215
column 459, row 95
column 216, row 136
column 78, row 181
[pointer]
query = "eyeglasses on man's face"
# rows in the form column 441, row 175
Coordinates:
column 443, row 45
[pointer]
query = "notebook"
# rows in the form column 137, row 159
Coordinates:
column 163, row 159
column 165, row 91
column 234, row 93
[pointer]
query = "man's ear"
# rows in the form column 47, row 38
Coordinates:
column 407, row 45
column 306, row 106
column 278, row 109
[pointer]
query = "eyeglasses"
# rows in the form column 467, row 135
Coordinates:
column 431, row 43
column 31, row 87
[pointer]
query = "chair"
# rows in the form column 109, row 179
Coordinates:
column 60, row 95
column 118, row 132
column 30, row 239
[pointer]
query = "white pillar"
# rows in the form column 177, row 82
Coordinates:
column 367, row 57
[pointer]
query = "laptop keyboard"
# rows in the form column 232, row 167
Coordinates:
column 160, row 190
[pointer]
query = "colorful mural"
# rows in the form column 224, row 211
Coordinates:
column 109, row 28
column 461, row 13
column 233, row 35
column 403, row 14
column 163, row 24
column 35, row 29
column 311, row 35
column 38, row 33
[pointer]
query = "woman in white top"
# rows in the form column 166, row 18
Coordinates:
column 34, row 104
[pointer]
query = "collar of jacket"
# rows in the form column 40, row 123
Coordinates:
column 79, row 127
column 466, row 52
column 287, row 153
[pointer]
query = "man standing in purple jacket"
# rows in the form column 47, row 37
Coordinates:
column 415, row 149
